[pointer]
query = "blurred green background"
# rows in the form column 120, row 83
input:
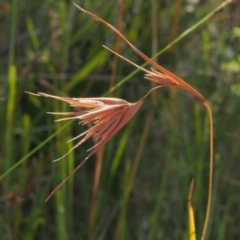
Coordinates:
column 137, row 188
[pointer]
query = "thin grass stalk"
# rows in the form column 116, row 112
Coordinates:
column 65, row 168
column 59, row 172
column 13, row 27
column 32, row 33
column 54, row 30
column 12, row 82
column 198, row 131
column 12, row 75
column 60, row 215
column 175, row 20
column 67, row 19
column 139, row 153
column 120, row 230
column 172, row 35
column 154, row 28
column 117, row 46
column 231, row 165
column 93, row 204
column 154, row 217
column 70, row 188
column 223, row 232
column 26, row 146
column 206, row 43
column 209, row 201
column 66, row 24
column 63, row 28
column 201, row 136
column 63, row 18
column 120, row 151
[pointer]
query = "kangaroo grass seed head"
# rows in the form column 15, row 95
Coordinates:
column 106, row 116
column 164, row 77
column 161, row 75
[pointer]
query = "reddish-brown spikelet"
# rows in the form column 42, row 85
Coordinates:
column 164, row 77
column 107, row 116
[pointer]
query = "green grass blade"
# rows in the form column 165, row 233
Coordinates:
column 9, row 142
column 26, row 157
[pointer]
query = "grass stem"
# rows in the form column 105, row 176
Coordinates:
column 205, row 226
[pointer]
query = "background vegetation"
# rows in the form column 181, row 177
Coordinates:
column 136, row 188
